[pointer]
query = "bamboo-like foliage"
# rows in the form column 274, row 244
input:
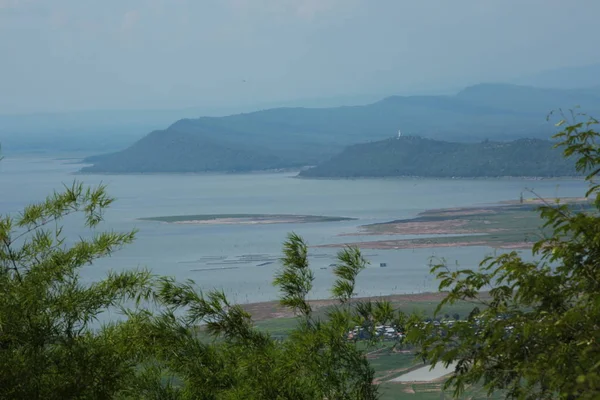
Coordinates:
column 295, row 278
column 50, row 347
column 537, row 336
column 171, row 340
column 351, row 263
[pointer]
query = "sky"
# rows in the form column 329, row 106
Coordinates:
column 65, row 55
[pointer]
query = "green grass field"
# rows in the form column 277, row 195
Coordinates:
column 282, row 326
column 429, row 391
column 390, row 363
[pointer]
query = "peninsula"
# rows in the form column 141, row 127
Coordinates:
column 507, row 225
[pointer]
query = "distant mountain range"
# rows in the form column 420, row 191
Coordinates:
column 583, row 76
column 112, row 130
column 101, row 131
column 294, row 137
column 415, row 156
column 98, row 131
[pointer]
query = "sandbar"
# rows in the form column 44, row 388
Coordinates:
column 244, row 219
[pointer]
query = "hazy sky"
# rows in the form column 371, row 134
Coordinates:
column 88, row 54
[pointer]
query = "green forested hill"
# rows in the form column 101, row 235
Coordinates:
column 415, row 156
column 176, row 151
column 291, row 137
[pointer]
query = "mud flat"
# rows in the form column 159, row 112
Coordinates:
column 244, row 219
column 506, row 225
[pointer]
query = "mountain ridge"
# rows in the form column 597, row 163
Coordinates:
column 414, row 156
column 579, row 76
column 291, row 137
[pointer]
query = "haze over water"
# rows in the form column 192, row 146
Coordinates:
column 228, row 256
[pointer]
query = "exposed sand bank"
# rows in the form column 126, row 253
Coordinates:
column 408, row 244
column 244, row 219
column 513, row 224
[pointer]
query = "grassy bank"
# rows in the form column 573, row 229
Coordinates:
column 515, row 225
column 281, row 326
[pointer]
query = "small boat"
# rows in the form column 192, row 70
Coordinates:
column 382, row 265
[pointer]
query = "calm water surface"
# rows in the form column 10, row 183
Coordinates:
column 229, row 256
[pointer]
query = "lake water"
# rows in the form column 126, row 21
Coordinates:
column 426, row 373
column 200, row 251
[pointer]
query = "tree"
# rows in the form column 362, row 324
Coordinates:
column 241, row 362
column 173, row 341
column 49, row 347
column 537, row 333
